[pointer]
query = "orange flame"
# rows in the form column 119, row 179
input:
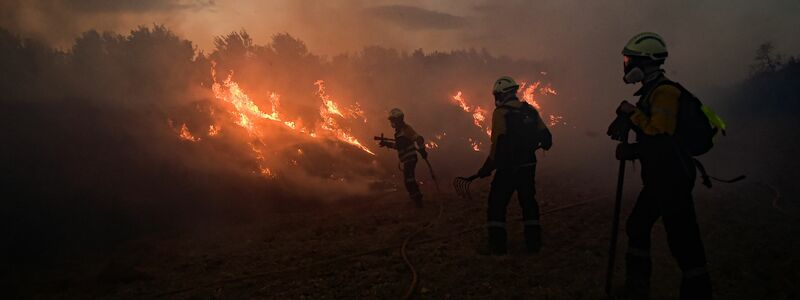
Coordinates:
column 458, row 99
column 431, row 145
column 183, row 132
column 187, row 135
column 475, row 145
column 528, row 93
column 328, row 111
column 229, row 91
column 247, row 115
column 263, row 170
column 478, row 113
column 555, row 120
column 213, row 130
column 479, row 116
column 548, row 91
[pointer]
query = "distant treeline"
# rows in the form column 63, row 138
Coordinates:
column 773, row 86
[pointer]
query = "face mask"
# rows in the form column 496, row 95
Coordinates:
column 633, row 76
column 499, row 99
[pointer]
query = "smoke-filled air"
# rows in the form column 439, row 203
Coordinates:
column 399, row 149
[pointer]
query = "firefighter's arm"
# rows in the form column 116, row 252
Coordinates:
column 487, row 167
column 418, row 140
column 545, row 138
column 421, row 147
column 388, row 144
column 664, row 112
column 498, row 129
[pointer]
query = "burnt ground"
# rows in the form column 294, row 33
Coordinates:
column 351, row 249
column 750, row 230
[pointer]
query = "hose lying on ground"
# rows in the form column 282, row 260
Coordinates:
column 404, row 254
column 345, row 257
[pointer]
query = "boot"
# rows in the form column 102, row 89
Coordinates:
column 533, row 238
column 637, row 277
column 696, row 287
column 497, row 241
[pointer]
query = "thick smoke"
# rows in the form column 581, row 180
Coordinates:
column 92, row 124
column 95, row 131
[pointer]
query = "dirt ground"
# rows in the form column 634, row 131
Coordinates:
column 352, row 250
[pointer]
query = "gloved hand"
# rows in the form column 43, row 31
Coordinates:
column 423, row 153
column 383, row 143
column 626, row 108
column 619, row 127
column 627, row 151
column 483, row 173
column 546, row 144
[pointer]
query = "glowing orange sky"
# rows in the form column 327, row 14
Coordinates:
column 574, row 33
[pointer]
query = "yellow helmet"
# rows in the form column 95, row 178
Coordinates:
column 504, row 85
column 646, row 44
column 396, row 114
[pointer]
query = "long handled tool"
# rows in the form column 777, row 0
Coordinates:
column 433, row 175
column 612, row 249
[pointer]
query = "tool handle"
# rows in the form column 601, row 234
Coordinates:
column 612, row 251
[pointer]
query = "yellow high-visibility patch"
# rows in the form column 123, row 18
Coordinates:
column 715, row 120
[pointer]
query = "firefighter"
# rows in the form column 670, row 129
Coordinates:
column 408, row 143
column 517, row 131
column 668, row 174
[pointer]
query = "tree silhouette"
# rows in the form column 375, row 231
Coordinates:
column 766, row 61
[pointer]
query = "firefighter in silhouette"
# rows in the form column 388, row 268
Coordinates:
column 668, row 170
column 517, row 131
column 407, row 143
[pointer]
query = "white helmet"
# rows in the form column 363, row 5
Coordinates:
column 505, row 85
column 396, row 114
column 646, row 44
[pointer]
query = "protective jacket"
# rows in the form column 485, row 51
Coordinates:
column 517, row 130
column 655, row 121
column 405, row 142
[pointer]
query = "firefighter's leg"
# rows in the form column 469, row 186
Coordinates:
column 410, row 181
column 526, row 192
column 499, row 194
column 683, row 236
column 638, row 265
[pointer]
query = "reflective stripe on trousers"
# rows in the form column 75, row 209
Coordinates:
column 644, row 253
column 530, row 222
column 695, row 272
column 491, row 224
column 408, row 156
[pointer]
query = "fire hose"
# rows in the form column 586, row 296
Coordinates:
column 321, row 263
column 404, row 247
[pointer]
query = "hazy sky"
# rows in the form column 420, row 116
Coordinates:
column 710, row 41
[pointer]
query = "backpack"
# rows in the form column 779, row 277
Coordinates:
column 523, row 125
column 697, row 124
